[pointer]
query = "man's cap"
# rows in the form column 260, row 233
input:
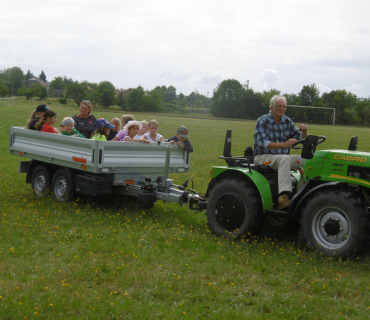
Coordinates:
column 132, row 123
column 42, row 108
column 101, row 123
column 182, row 131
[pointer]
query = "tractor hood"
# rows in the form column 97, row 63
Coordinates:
column 340, row 165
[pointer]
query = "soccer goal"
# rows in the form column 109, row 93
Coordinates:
column 320, row 115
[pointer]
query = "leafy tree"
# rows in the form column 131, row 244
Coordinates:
column 121, row 99
column 78, row 91
column 37, row 91
column 67, row 81
column 29, row 75
column 92, row 95
column 227, row 99
column 184, row 102
column 135, row 100
column 170, row 94
column 309, row 95
column 153, row 101
column 106, row 94
column 27, row 92
column 4, row 90
column 363, row 111
column 253, row 105
column 199, row 104
column 181, row 96
column 58, row 83
column 344, row 103
column 42, row 76
column 14, row 78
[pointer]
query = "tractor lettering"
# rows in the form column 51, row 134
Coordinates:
column 355, row 159
column 349, row 158
column 342, row 158
column 336, row 157
column 363, row 159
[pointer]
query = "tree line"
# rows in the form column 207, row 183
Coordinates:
column 231, row 99
column 160, row 99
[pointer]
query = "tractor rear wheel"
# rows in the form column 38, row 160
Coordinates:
column 335, row 223
column 234, row 209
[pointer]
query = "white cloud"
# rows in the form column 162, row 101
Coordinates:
column 191, row 44
column 268, row 79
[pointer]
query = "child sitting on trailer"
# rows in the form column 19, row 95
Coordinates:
column 153, row 135
column 68, row 125
column 143, row 130
column 117, row 126
column 133, row 128
column 181, row 138
column 103, row 127
column 120, row 136
column 45, row 123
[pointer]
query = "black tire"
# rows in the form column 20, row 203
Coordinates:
column 62, row 186
column 335, row 223
column 234, row 209
column 41, row 181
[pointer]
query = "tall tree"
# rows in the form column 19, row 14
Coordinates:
column 57, row 83
column 363, row 111
column 78, row 91
column 170, row 94
column 227, row 99
column 42, row 76
column 29, row 75
column 4, row 90
column 106, row 94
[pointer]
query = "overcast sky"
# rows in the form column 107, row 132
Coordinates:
column 192, row 45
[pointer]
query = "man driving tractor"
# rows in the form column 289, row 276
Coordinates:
column 273, row 136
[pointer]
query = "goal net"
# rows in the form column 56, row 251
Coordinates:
column 318, row 115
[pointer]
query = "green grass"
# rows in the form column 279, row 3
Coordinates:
column 107, row 259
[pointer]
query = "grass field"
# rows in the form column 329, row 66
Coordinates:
column 107, row 259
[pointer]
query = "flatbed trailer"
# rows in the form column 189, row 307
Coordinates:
column 68, row 165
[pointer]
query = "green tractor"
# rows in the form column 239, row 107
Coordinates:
column 330, row 206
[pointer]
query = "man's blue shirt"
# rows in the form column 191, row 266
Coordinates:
column 267, row 130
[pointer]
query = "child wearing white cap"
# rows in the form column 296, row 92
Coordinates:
column 133, row 128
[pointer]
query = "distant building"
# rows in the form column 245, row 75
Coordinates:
column 30, row 82
column 52, row 92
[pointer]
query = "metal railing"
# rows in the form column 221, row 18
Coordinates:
column 7, row 101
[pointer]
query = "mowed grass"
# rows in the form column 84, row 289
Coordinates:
column 106, row 259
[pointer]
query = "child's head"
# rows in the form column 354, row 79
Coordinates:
column 103, row 127
column 49, row 116
column 126, row 118
column 182, row 133
column 117, row 123
column 133, row 128
column 144, row 127
column 153, row 126
column 68, row 124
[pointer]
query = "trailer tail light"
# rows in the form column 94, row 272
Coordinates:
column 210, row 172
column 21, row 153
column 84, row 167
column 130, row 182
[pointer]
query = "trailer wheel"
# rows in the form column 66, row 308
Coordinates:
column 234, row 209
column 41, row 181
column 62, row 185
column 335, row 223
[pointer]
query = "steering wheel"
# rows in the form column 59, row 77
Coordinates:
column 294, row 145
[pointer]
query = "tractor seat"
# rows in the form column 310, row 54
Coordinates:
column 260, row 168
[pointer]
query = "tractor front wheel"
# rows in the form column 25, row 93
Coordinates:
column 234, row 209
column 335, row 223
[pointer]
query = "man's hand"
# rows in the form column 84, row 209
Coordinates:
column 303, row 129
column 290, row 142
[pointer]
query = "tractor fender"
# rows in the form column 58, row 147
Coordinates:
column 254, row 177
column 324, row 186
